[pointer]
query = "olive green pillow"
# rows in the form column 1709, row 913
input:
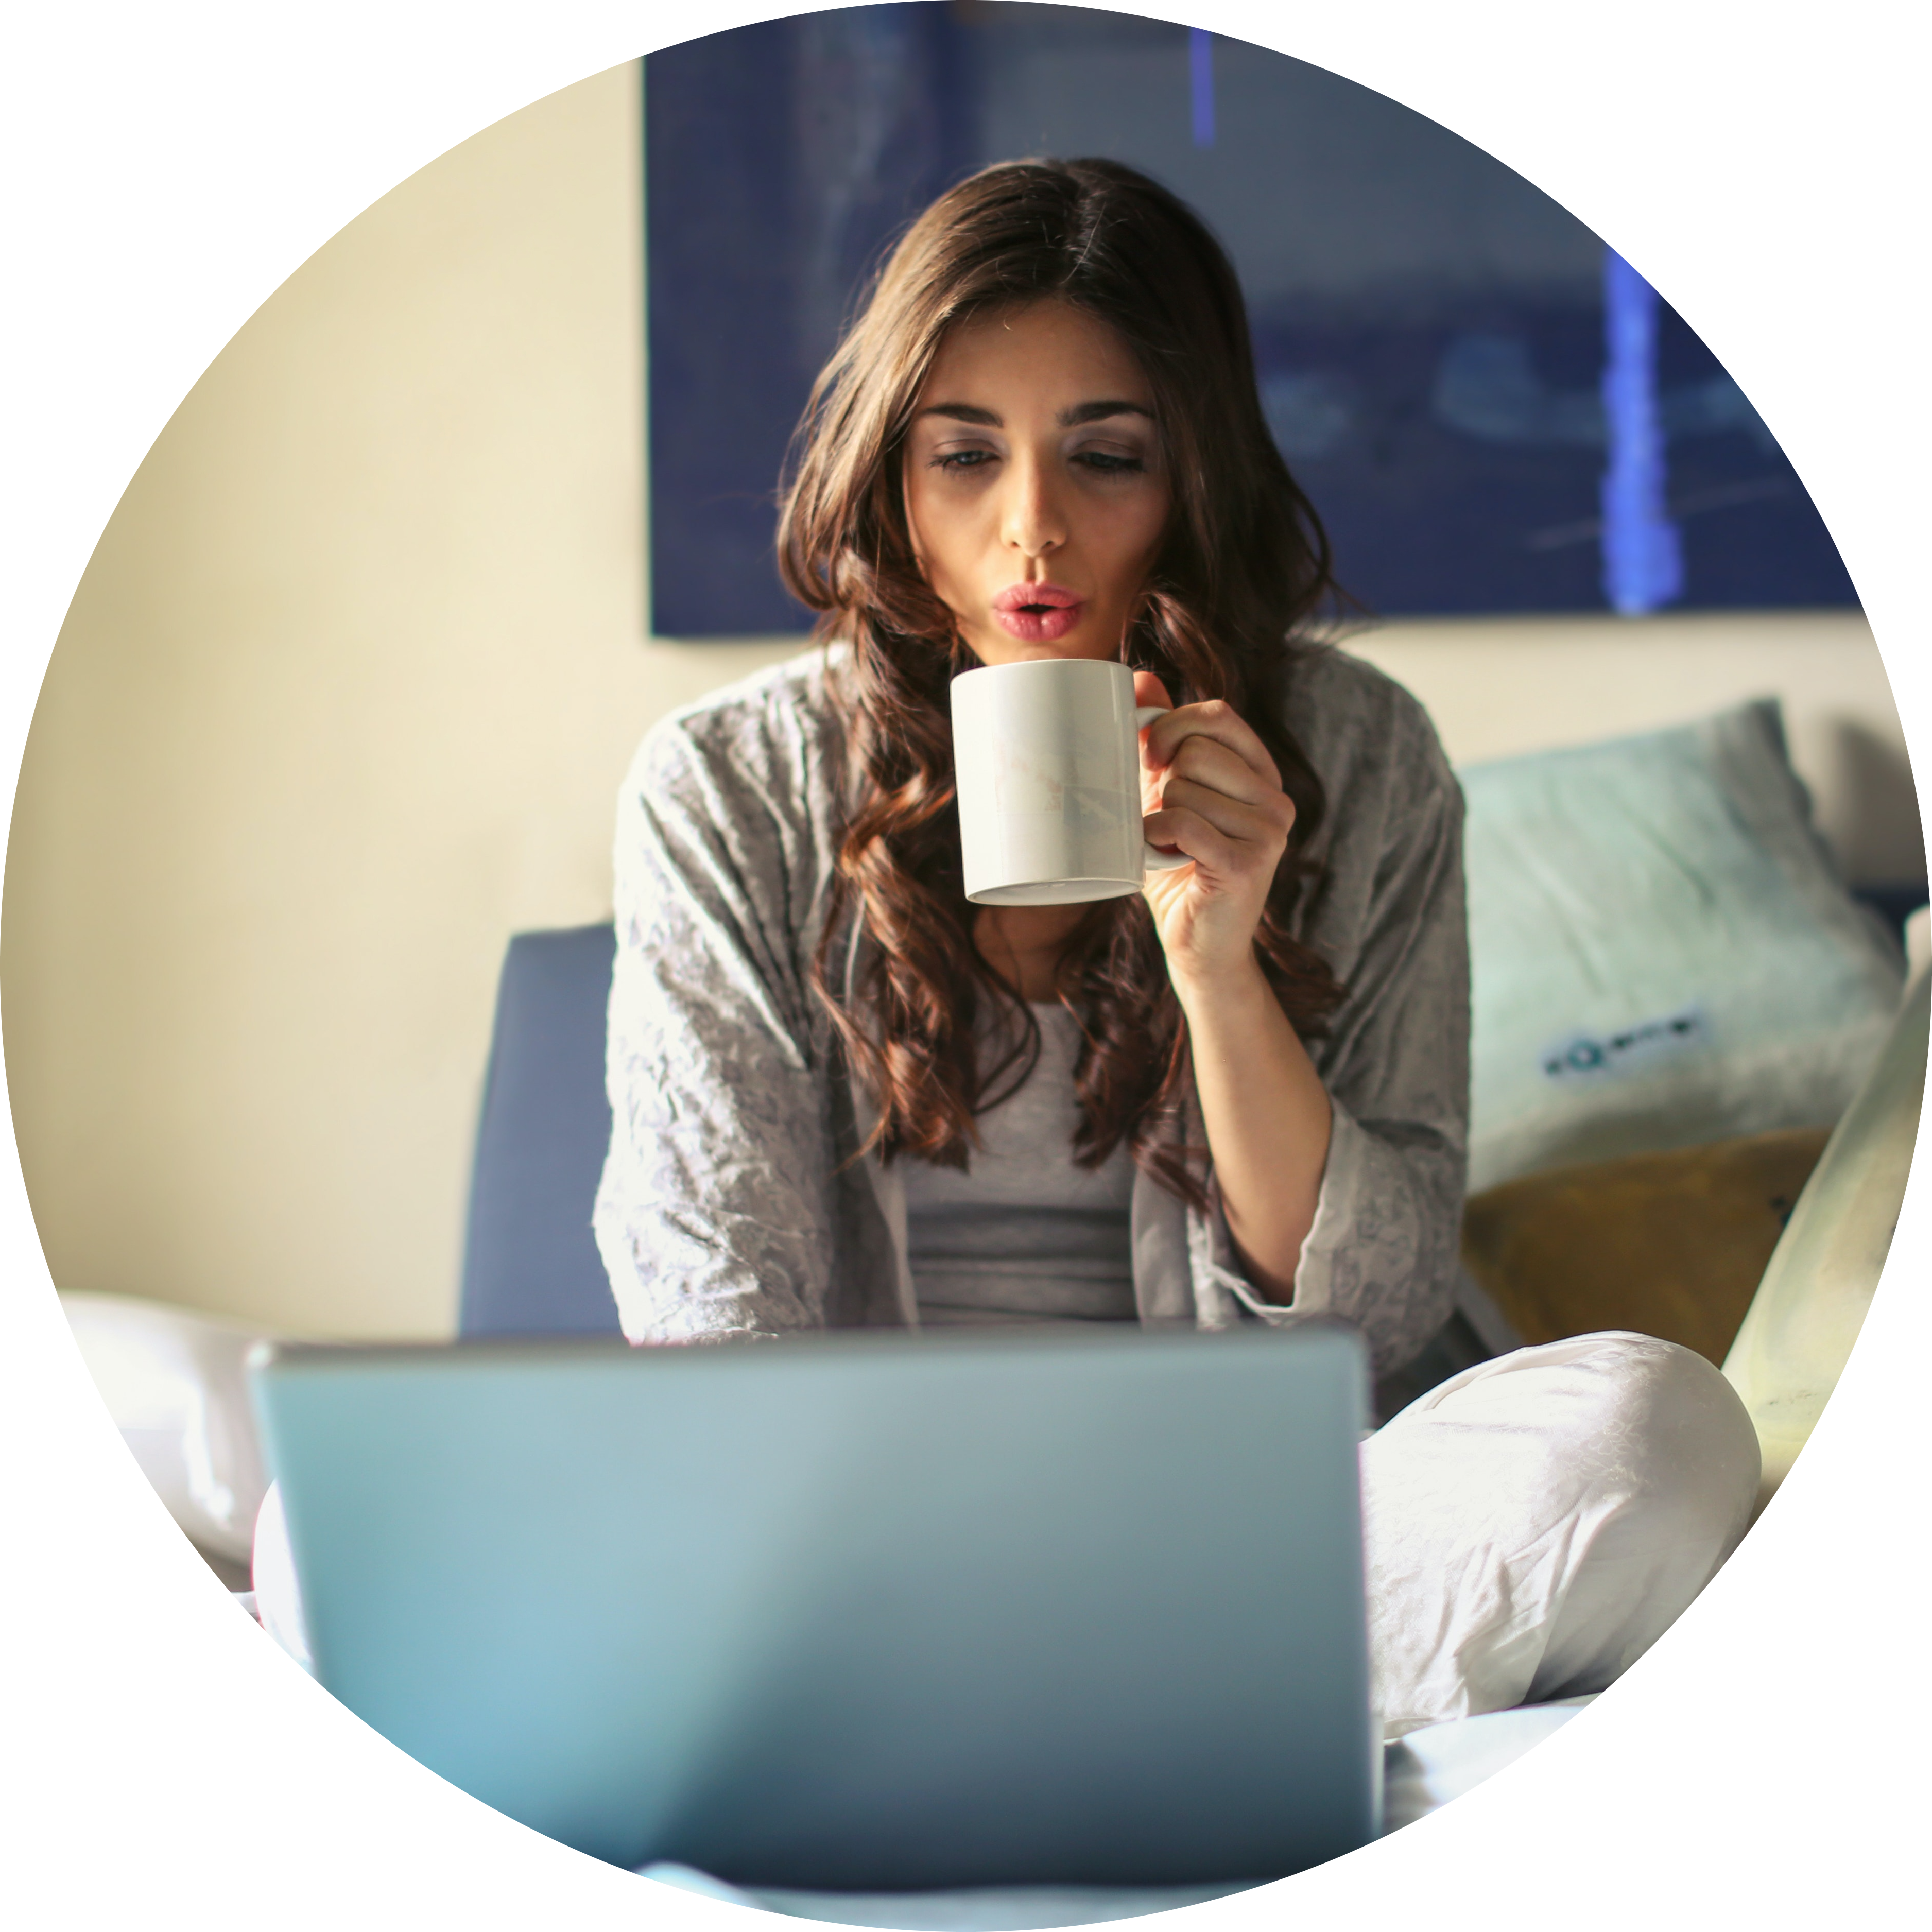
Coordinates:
column 1670, row 1244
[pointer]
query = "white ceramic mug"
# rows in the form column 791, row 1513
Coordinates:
column 1046, row 757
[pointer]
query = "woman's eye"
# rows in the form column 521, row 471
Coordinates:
column 962, row 459
column 1105, row 463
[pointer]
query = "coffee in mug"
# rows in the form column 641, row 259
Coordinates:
column 1046, row 759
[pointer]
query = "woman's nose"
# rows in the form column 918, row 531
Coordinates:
column 1035, row 519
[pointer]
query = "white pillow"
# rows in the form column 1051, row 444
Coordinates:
column 1663, row 952
column 174, row 1382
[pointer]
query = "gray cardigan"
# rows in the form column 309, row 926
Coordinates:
column 730, row 1204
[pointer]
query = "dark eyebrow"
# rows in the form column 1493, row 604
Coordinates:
column 1073, row 418
column 1087, row 412
column 965, row 413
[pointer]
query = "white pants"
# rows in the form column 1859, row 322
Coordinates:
column 1534, row 1525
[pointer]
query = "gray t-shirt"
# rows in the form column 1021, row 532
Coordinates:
column 1024, row 1234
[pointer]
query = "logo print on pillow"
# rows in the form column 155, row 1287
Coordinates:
column 1587, row 1056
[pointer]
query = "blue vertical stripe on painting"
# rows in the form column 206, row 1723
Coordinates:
column 1201, row 78
column 1643, row 560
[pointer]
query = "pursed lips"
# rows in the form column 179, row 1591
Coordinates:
column 1037, row 613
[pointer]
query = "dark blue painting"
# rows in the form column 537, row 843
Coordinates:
column 1492, row 412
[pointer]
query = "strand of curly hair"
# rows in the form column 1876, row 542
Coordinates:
column 1245, row 566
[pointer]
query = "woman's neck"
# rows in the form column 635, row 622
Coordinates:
column 1023, row 944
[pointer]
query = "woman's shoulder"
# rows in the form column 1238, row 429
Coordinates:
column 1361, row 729
column 773, row 733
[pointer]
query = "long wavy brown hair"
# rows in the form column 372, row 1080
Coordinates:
column 1243, row 567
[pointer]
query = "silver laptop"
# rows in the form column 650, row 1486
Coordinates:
column 857, row 1612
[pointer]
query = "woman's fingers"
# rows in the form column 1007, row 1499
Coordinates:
column 1189, row 832
column 1262, row 825
column 1206, row 761
column 1220, row 799
column 1216, row 721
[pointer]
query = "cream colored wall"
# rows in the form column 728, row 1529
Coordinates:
column 1504, row 686
column 344, row 699
column 342, row 702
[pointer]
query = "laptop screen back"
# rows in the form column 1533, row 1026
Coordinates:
column 859, row 1611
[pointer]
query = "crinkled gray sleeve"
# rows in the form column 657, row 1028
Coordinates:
column 713, row 1215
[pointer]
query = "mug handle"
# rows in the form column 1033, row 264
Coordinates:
column 1152, row 856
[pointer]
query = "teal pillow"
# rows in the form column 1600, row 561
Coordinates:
column 1662, row 950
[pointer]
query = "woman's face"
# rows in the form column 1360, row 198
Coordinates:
column 1035, row 490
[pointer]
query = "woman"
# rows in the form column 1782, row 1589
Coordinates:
column 843, row 1096
column 825, row 975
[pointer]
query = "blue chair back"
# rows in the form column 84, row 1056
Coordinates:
column 530, row 1266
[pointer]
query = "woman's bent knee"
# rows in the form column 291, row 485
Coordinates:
column 1540, row 1518
column 1675, row 1433
column 1590, row 1424
column 1640, row 1414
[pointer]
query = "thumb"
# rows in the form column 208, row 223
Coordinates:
column 1148, row 689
